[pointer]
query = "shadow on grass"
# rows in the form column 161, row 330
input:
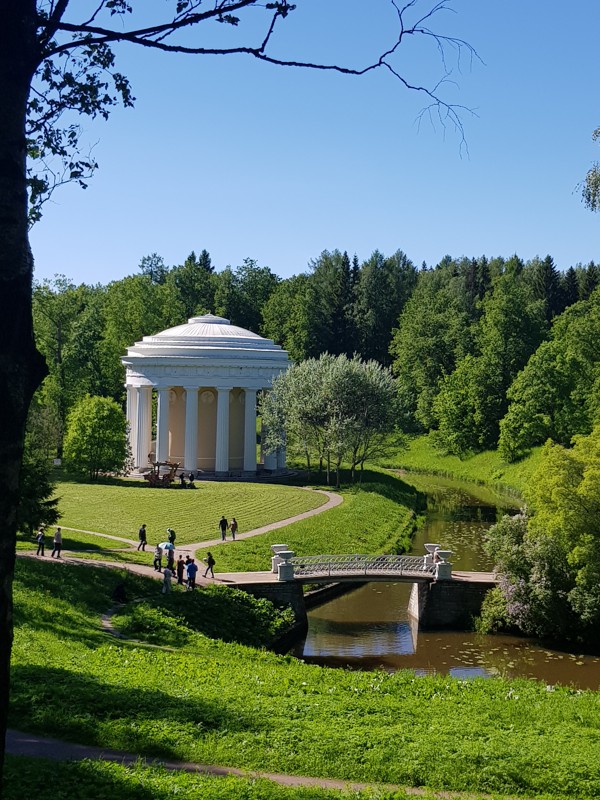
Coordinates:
column 39, row 778
column 88, row 710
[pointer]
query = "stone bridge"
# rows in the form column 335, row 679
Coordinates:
column 440, row 597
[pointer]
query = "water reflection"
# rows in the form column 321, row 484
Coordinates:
column 369, row 628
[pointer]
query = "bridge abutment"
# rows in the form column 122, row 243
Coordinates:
column 447, row 604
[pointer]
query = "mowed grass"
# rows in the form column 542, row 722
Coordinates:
column 120, row 509
column 377, row 518
column 221, row 703
column 73, row 542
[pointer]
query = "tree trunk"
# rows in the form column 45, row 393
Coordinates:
column 21, row 366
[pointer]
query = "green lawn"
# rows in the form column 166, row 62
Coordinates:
column 120, row 509
column 222, row 703
column 419, row 455
column 73, row 542
column 378, row 518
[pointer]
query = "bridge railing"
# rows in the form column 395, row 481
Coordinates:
column 356, row 564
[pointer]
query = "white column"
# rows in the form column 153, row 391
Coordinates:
column 143, row 422
column 222, row 444
column 132, row 420
column 162, row 424
column 190, row 458
column 250, row 430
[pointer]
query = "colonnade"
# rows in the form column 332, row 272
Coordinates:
column 189, row 428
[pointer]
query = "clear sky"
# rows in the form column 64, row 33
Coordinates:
column 245, row 159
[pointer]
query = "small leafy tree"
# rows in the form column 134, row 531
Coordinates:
column 332, row 408
column 96, row 439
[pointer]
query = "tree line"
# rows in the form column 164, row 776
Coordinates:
column 477, row 345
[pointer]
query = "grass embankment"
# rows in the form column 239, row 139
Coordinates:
column 213, row 702
column 420, row 455
column 378, row 517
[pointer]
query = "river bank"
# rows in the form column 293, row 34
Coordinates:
column 487, row 468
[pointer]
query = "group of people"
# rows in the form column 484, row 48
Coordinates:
column 187, row 567
column 183, row 484
column 56, row 542
column 225, row 526
column 185, row 570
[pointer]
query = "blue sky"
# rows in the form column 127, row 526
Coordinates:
column 251, row 160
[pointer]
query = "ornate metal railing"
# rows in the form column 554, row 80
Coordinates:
column 352, row 565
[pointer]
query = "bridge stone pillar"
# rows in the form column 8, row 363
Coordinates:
column 447, row 603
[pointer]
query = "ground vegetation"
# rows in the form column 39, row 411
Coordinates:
column 228, row 704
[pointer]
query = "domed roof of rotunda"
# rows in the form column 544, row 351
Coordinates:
column 203, row 337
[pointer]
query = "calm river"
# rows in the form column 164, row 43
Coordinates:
column 369, row 628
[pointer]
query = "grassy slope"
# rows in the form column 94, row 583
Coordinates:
column 377, row 519
column 486, row 467
column 120, row 509
column 232, row 705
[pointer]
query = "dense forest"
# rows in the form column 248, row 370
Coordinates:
column 486, row 352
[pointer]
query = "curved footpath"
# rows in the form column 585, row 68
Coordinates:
column 32, row 746
column 333, row 500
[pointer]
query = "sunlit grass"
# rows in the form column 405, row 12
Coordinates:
column 213, row 702
column 194, row 514
column 421, row 456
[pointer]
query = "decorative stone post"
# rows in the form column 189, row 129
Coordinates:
column 190, row 457
column 443, row 566
column 276, row 549
column 285, row 570
column 222, row 437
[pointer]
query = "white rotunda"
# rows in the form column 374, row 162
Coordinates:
column 203, row 377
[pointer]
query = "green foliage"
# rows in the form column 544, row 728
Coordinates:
column 472, row 400
column 96, row 439
column 331, row 409
column 432, row 335
column 493, row 617
column 37, row 504
column 551, row 562
column 555, row 396
column 591, row 186
column 215, row 611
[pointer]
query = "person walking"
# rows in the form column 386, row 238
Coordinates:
column 158, row 558
column 167, row 575
column 41, row 542
column 233, row 526
column 191, row 569
column 57, row 543
column 210, row 563
column 223, row 525
column 171, row 559
column 142, row 537
column 180, row 569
